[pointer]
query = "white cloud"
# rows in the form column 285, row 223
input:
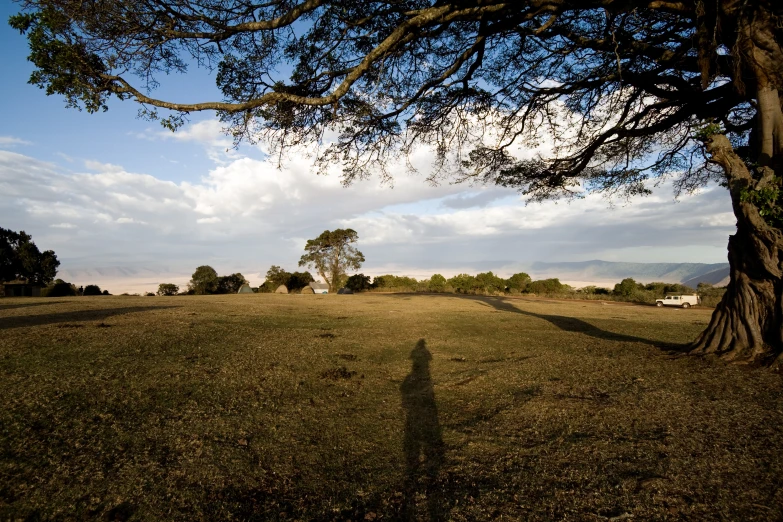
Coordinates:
column 10, row 141
column 127, row 220
column 258, row 215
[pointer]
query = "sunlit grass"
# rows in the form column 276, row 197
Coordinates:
column 370, row 407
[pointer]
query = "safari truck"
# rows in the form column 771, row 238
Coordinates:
column 683, row 301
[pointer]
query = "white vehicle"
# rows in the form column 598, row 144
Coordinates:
column 683, row 301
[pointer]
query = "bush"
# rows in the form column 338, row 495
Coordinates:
column 60, row 289
column 489, row 283
column 394, row 283
column 463, row 283
column 230, row 284
column 518, row 282
column 358, row 283
column 627, row 288
column 710, row 295
column 168, row 289
column 546, row 287
column 92, row 290
column 436, row 283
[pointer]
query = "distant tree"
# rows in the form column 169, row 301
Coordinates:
column 204, row 280
column 518, row 281
column 230, row 284
column 299, row 280
column 627, row 287
column 463, row 283
column 105, row 292
column 395, row 282
column 276, row 276
column 21, row 259
column 60, row 288
column 594, row 290
column 546, row 286
column 436, row 283
column 358, row 283
column 489, row 283
column 92, row 290
column 332, row 254
column 168, row 289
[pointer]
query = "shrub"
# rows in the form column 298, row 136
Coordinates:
column 489, row 283
column 546, row 286
column 60, row 289
column 92, row 290
column 393, row 282
column 168, row 289
column 463, row 283
column 436, row 283
column 358, row 283
column 518, row 282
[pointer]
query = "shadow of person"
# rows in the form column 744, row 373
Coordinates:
column 422, row 444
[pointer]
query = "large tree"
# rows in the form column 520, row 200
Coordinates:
column 204, row 280
column 332, row 254
column 20, row 259
column 629, row 90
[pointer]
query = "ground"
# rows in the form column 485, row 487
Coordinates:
column 377, row 407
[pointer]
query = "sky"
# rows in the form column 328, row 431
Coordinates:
column 128, row 205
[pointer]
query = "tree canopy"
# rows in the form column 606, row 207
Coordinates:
column 167, row 289
column 20, row 259
column 230, row 284
column 204, row 280
column 627, row 90
column 332, row 254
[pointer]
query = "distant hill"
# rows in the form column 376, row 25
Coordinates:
column 719, row 277
column 610, row 271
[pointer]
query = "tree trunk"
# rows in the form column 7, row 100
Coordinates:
column 747, row 325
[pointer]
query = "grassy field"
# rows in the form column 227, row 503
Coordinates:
column 377, row 407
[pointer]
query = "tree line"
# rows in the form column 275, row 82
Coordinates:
column 488, row 283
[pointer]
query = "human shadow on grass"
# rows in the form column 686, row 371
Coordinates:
column 422, row 442
column 100, row 314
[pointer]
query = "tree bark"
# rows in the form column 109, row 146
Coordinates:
column 747, row 325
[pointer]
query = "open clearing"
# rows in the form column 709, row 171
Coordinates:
column 377, row 407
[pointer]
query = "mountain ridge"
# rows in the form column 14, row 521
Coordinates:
column 599, row 270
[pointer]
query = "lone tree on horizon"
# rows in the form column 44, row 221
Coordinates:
column 630, row 90
column 332, row 254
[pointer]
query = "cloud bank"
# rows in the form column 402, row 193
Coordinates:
column 129, row 231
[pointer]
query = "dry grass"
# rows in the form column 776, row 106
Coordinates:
column 265, row 407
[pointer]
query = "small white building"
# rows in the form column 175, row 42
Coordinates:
column 320, row 288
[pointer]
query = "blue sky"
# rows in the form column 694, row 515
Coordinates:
column 127, row 204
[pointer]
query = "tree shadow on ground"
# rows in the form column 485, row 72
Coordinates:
column 99, row 314
column 565, row 323
column 27, row 305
